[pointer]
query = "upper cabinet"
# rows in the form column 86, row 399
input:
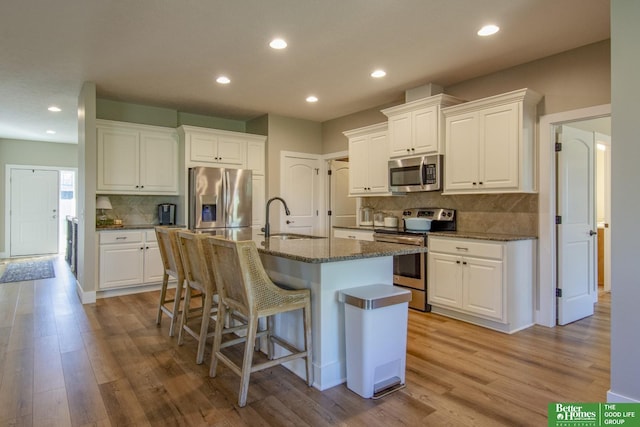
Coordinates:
column 490, row 144
column 415, row 127
column 136, row 159
column 216, row 148
column 368, row 161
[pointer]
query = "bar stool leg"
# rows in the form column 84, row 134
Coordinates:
column 185, row 314
column 247, row 360
column 176, row 306
column 307, row 343
column 204, row 326
column 163, row 295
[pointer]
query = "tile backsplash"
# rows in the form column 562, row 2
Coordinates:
column 515, row 213
column 133, row 210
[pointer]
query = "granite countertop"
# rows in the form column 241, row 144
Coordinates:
column 320, row 250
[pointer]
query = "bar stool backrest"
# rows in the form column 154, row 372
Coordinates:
column 194, row 261
column 169, row 250
column 232, row 275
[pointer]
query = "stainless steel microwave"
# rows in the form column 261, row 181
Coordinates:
column 416, row 174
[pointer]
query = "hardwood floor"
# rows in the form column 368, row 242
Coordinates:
column 107, row 364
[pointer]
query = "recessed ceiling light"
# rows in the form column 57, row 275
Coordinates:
column 54, row 109
column 223, row 80
column 312, row 98
column 278, row 44
column 378, row 74
column 51, row 132
column 488, row 30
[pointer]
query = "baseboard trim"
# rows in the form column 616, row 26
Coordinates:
column 618, row 398
column 85, row 297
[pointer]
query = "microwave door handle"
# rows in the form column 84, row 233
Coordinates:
column 422, row 183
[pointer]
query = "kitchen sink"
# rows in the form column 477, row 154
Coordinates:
column 293, row 236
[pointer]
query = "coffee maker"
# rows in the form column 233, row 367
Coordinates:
column 167, row 214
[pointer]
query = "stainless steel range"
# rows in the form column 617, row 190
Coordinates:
column 410, row 271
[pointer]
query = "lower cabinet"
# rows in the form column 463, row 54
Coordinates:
column 350, row 233
column 489, row 283
column 128, row 258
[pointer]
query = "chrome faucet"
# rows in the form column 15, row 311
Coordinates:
column 267, row 227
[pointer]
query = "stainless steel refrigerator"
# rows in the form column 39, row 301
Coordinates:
column 219, row 198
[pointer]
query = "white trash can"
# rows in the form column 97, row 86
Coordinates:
column 376, row 338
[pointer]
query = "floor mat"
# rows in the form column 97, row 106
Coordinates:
column 27, row 270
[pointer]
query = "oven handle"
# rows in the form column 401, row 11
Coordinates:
column 407, row 240
column 422, row 180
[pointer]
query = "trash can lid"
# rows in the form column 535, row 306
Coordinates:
column 371, row 297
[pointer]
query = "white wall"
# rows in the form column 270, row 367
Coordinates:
column 625, row 202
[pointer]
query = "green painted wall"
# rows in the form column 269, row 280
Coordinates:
column 143, row 114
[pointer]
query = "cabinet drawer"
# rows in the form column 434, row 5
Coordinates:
column 469, row 247
column 107, row 237
column 150, row 236
column 344, row 233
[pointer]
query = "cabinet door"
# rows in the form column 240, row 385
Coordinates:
column 121, row 265
column 153, row 268
column 258, row 200
column 203, row 147
column 231, row 151
column 400, row 129
column 499, row 152
column 483, row 287
column 358, row 164
column 118, row 159
column 461, row 159
column 445, row 280
column 425, row 130
column 378, row 175
column 256, row 157
column 344, row 233
column 158, row 163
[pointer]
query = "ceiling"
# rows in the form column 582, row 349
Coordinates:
column 168, row 53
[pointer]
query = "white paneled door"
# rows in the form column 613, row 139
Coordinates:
column 577, row 228
column 343, row 207
column 300, row 184
column 34, row 212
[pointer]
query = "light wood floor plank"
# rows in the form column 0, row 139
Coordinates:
column 51, row 408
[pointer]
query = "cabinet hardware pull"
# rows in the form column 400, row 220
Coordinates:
column 457, row 262
column 464, row 262
column 460, row 248
column 473, row 183
column 480, row 183
column 121, row 238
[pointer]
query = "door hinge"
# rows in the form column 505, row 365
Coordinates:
column 317, row 171
column 558, row 146
column 329, row 213
column 329, row 172
column 558, row 219
column 558, row 293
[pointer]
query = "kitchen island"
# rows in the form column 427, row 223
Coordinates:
column 326, row 266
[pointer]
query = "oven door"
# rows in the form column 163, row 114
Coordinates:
column 408, row 270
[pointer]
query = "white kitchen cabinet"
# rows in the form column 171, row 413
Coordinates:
column 136, row 159
column 350, row 233
column 259, row 202
column 368, row 161
column 489, row 283
column 128, row 258
column 212, row 147
column 490, row 144
column 415, row 127
column 256, row 160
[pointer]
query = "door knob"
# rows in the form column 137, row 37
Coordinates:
column 591, row 232
column 290, row 222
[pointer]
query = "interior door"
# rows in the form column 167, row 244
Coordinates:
column 299, row 184
column 576, row 251
column 343, row 207
column 34, row 212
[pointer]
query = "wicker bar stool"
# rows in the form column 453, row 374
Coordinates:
column 197, row 278
column 245, row 287
column 169, row 252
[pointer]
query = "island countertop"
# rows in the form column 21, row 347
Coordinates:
column 317, row 250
